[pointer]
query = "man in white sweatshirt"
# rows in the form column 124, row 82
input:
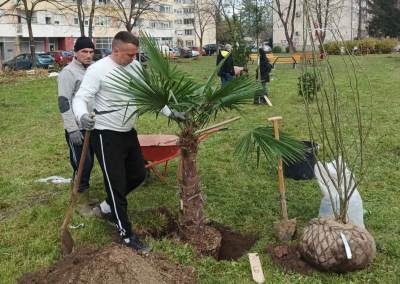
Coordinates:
column 113, row 138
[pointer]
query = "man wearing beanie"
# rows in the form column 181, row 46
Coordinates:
column 69, row 81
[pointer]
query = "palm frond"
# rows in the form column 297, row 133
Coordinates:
column 261, row 140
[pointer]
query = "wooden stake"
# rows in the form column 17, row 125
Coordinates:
column 282, row 190
column 256, row 268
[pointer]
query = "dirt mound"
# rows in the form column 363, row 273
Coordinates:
column 112, row 264
column 288, row 257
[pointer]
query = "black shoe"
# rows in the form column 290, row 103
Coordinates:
column 97, row 212
column 135, row 243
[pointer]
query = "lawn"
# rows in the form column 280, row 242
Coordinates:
column 243, row 197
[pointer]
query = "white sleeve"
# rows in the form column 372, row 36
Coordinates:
column 89, row 87
column 166, row 111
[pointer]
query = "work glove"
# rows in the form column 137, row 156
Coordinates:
column 75, row 137
column 87, row 122
column 177, row 116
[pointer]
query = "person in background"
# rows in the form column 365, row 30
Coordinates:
column 69, row 81
column 227, row 71
column 262, row 74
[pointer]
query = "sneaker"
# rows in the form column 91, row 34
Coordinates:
column 135, row 243
column 97, row 212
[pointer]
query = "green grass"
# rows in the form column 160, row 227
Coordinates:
column 245, row 198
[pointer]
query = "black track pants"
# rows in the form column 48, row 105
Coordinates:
column 122, row 163
column 75, row 152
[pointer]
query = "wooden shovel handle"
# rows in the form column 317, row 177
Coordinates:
column 76, row 182
column 282, row 190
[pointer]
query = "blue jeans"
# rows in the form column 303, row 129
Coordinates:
column 75, row 152
column 226, row 77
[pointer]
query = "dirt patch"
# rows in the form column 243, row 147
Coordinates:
column 288, row 258
column 112, row 264
column 233, row 244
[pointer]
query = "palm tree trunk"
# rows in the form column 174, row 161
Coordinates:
column 192, row 227
column 191, row 217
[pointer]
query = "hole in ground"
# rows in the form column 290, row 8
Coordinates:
column 164, row 224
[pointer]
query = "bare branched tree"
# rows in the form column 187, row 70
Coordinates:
column 203, row 18
column 2, row 3
column 287, row 16
column 128, row 12
column 29, row 8
column 81, row 10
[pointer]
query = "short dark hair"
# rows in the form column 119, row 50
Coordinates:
column 125, row 37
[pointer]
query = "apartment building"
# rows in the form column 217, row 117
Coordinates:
column 342, row 23
column 56, row 27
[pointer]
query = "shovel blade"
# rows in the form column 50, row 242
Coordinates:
column 67, row 243
column 285, row 230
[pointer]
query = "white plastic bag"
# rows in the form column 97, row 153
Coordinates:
column 355, row 210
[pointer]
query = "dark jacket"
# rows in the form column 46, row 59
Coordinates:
column 265, row 69
column 227, row 67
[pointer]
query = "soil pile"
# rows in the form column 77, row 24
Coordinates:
column 112, row 264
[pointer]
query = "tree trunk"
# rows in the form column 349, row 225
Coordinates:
column 81, row 16
column 28, row 14
column 191, row 218
column 91, row 18
column 31, row 42
column 193, row 229
column 359, row 19
column 128, row 27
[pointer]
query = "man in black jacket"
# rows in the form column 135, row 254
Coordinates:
column 227, row 71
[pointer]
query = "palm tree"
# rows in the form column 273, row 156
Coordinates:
column 162, row 84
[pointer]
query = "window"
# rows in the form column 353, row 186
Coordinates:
column 153, row 25
column 104, row 2
column 188, row 32
column 178, row 11
column 188, row 21
column 103, row 21
column 86, row 21
column 178, row 22
column 189, row 43
column 48, row 20
column 56, row 22
column 103, row 42
column 188, row 10
column 165, row 9
column 165, row 25
column 76, row 21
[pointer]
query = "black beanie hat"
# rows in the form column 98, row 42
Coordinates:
column 83, row 42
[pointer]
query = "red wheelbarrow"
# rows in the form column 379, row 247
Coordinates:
column 161, row 148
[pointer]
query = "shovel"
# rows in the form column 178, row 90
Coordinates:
column 67, row 243
column 285, row 228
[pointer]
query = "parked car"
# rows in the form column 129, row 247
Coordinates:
column 199, row 50
column 62, row 57
column 100, row 53
column 24, row 62
column 195, row 53
column 210, row 49
column 175, row 52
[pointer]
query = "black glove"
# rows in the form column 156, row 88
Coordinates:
column 177, row 116
column 87, row 122
column 75, row 137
